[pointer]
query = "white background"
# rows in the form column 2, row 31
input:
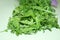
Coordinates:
column 6, row 8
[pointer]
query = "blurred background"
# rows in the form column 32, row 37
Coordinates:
column 6, row 8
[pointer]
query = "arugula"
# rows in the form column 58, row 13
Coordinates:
column 32, row 16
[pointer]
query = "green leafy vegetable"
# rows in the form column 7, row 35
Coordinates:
column 32, row 16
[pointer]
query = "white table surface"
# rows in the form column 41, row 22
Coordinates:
column 6, row 8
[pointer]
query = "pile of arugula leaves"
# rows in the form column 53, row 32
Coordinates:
column 32, row 16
